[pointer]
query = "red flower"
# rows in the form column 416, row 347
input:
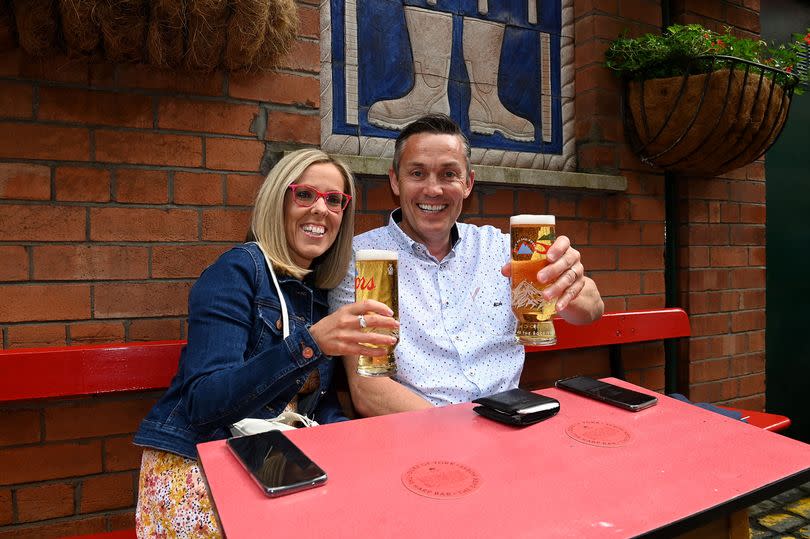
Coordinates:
column 789, row 69
column 807, row 38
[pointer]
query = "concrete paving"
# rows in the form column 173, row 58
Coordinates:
column 784, row 516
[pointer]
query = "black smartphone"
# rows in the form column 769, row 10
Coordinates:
column 276, row 464
column 609, row 393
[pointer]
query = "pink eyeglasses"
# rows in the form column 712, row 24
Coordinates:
column 306, row 195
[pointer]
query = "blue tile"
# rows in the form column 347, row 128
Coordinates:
column 386, row 64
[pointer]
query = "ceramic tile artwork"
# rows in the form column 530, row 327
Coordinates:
column 503, row 69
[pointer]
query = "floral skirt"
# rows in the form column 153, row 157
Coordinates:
column 172, row 499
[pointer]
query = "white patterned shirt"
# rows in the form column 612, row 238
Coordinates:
column 457, row 331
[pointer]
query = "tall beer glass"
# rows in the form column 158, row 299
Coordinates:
column 531, row 236
column 377, row 279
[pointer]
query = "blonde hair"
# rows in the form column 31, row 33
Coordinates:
column 268, row 220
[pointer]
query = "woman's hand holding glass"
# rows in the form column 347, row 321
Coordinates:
column 341, row 333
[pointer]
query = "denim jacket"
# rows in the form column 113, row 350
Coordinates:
column 237, row 363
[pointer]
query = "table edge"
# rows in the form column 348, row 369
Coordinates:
column 743, row 501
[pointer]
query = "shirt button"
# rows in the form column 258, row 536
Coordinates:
column 278, row 323
column 308, row 353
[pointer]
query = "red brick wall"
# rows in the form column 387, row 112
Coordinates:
column 722, row 235
column 119, row 183
column 722, row 255
column 123, row 183
column 69, row 467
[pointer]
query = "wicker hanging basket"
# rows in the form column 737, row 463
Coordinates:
column 711, row 122
column 200, row 35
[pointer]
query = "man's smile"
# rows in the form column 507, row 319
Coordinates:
column 431, row 208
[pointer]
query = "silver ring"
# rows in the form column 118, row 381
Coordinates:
column 575, row 275
column 362, row 319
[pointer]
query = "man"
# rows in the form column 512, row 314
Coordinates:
column 457, row 338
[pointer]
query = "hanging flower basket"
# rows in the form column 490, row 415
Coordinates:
column 708, row 123
column 200, row 35
column 702, row 103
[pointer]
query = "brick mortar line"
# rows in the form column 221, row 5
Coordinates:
column 155, row 102
column 159, row 131
column 120, row 88
column 34, row 100
column 114, row 165
column 52, row 183
column 200, row 219
column 730, row 379
column 29, row 251
column 93, row 282
column 23, row 526
column 158, row 99
column 124, row 205
column 109, row 165
column 139, row 244
column 88, row 229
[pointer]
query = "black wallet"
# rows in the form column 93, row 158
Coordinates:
column 517, row 407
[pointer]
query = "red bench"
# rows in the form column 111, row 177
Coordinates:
column 616, row 329
column 38, row 373
column 772, row 422
column 27, row 374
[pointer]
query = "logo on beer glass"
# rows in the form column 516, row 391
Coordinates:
column 361, row 284
column 531, row 237
column 377, row 279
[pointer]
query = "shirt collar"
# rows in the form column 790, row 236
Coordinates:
column 406, row 242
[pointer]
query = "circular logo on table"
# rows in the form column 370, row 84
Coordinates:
column 441, row 479
column 598, row 433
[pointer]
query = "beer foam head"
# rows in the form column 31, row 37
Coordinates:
column 532, row 220
column 376, row 254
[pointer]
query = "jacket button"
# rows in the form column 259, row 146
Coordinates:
column 308, row 353
column 278, row 324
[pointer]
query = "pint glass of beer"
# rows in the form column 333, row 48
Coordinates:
column 531, row 237
column 377, row 279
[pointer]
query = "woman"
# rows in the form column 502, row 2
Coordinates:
column 253, row 352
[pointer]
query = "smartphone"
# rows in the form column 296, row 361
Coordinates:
column 605, row 392
column 276, row 464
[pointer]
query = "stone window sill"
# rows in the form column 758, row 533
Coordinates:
column 378, row 166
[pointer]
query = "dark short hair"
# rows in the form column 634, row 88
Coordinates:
column 438, row 124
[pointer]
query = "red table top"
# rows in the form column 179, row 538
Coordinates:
column 628, row 473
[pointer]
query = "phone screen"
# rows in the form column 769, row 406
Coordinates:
column 607, row 392
column 275, row 463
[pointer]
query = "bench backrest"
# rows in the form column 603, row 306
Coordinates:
column 107, row 368
column 620, row 328
column 37, row 373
